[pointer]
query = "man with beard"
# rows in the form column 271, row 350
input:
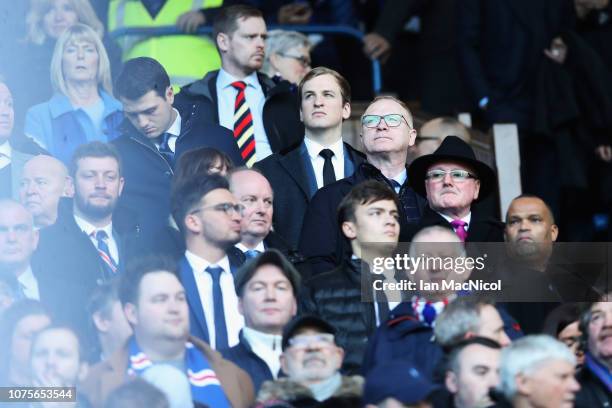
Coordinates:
column 87, row 245
column 155, row 305
column 208, row 215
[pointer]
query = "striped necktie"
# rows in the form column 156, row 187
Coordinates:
column 243, row 125
column 103, row 250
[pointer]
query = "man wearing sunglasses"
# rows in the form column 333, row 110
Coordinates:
column 311, row 360
column 208, row 215
column 387, row 133
column 453, row 180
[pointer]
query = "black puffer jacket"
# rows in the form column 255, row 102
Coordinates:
column 335, row 296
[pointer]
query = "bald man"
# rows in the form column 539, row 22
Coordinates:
column 434, row 131
column 45, row 179
column 254, row 192
column 18, row 241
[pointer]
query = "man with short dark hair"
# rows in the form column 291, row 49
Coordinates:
column 472, row 370
column 155, row 304
column 263, row 115
column 209, row 216
column 368, row 217
column 154, row 136
column 595, row 377
column 89, row 243
column 321, row 159
column 267, row 289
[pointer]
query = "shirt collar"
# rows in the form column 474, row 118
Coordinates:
column 27, row 278
column 90, row 229
column 225, row 79
column 256, row 338
column 260, row 247
column 199, row 264
column 6, row 150
column 315, row 148
column 175, row 128
column 401, row 177
column 465, row 219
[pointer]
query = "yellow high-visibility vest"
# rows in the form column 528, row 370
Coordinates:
column 186, row 58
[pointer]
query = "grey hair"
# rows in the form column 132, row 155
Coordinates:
column 526, row 355
column 420, row 236
column 281, row 41
column 460, row 317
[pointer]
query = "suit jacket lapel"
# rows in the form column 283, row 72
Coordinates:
column 193, row 296
column 18, row 160
column 298, row 169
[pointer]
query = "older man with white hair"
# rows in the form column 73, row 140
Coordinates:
column 538, row 371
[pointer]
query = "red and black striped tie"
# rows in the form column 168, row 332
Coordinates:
column 243, row 125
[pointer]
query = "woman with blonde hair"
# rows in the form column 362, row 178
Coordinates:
column 82, row 108
column 46, row 21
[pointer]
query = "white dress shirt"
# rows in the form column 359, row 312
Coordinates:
column 29, row 284
column 465, row 219
column 260, row 247
column 233, row 319
column 174, row 130
column 91, row 229
column 401, row 179
column 5, row 154
column 318, row 161
column 255, row 98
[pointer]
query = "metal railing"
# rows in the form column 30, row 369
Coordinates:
column 306, row 29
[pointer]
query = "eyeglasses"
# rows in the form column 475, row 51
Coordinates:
column 227, row 208
column 302, row 59
column 392, row 120
column 456, row 175
column 305, row 341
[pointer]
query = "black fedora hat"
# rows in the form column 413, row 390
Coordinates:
column 452, row 148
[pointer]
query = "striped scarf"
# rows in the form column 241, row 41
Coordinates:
column 205, row 386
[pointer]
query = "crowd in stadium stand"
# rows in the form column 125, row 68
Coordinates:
column 203, row 212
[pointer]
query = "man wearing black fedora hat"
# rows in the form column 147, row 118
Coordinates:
column 453, row 180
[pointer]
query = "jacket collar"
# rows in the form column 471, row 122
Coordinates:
column 59, row 104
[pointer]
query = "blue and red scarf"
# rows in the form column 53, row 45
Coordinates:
column 205, row 386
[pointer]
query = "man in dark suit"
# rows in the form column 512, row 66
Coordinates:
column 88, row 244
column 154, row 137
column 387, row 134
column 453, row 180
column 321, row 159
column 208, row 216
column 263, row 115
column 12, row 161
column 253, row 190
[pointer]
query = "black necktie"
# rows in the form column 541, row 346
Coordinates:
column 164, row 149
column 329, row 176
column 221, row 341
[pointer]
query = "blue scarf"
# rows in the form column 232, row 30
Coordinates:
column 599, row 371
column 205, row 386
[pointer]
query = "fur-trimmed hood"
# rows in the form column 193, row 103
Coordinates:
column 285, row 389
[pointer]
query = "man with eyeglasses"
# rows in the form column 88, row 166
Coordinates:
column 453, row 180
column 311, row 360
column 263, row 115
column 208, row 215
column 320, row 160
column 387, row 133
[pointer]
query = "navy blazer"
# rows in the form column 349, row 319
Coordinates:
column 197, row 320
column 148, row 177
column 294, row 184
